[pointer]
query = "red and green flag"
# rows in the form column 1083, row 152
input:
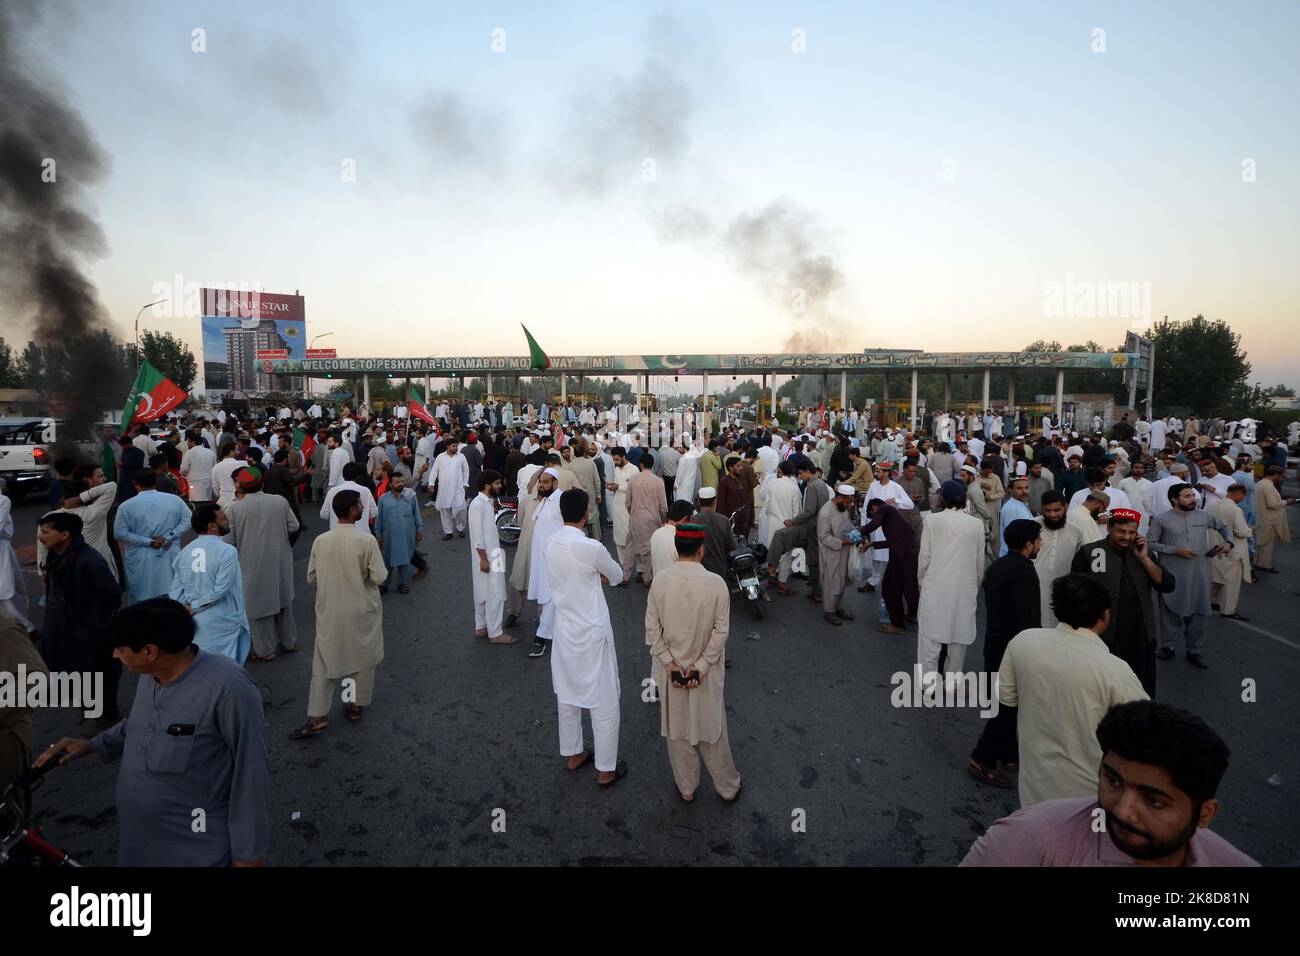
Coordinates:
column 416, row 408
column 152, row 396
column 537, row 358
column 303, row 441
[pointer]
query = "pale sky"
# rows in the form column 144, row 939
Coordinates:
column 947, row 162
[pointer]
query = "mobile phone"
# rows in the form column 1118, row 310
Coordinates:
column 1212, row 552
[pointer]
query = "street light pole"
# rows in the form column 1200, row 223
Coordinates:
column 137, row 329
column 311, row 381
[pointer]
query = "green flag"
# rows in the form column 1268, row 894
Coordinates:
column 537, row 358
column 152, row 396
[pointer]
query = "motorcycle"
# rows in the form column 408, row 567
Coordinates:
column 507, row 521
column 747, row 566
column 21, row 841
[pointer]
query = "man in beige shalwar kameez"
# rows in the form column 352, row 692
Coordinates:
column 517, row 585
column 687, row 618
column 347, row 569
column 833, row 529
column 647, row 507
column 586, row 477
column 1228, row 571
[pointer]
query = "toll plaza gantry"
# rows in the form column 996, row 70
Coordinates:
column 495, row 368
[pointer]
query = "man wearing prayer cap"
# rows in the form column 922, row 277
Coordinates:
column 719, row 539
column 835, row 546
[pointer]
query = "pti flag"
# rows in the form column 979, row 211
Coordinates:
column 416, row 408
column 304, row 443
column 152, row 396
column 537, row 358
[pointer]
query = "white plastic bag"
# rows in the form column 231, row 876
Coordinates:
column 859, row 566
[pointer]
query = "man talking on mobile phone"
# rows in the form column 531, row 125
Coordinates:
column 1123, row 563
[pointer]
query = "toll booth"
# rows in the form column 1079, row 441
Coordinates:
column 893, row 413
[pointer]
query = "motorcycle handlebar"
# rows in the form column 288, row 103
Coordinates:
column 32, row 774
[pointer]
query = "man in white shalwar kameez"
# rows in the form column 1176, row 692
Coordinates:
column 423, row 456
column 782, row 501
column 687, row 485
column 451, row 474
column 584, row 668
column 487, row 562
column 1059, row 542
column 949, row 572
column 623, row 474
column 13, row 590
column 546, row 522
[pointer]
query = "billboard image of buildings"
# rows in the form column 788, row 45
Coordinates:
column 236, row 326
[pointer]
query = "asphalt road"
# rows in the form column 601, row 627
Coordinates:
column 461, row 729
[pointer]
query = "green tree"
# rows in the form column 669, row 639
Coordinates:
column 1201, row 367
column 169, row 355
column 31, row 367
column 8, row 366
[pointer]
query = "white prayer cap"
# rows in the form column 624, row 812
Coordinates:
column 846, row 490
column 553, row 472
column 707, row 494
column 970, row 469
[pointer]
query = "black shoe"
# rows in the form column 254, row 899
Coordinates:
column 1214, row 607
column 1234, row 616
column 1165, row 654
column 539, row 649
column 831, row 619
column 460, row 534
column 1196, row 660
column 446, row 537
column 843, row 615
column 510, row 620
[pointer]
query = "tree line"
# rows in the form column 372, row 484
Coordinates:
column 68, row 365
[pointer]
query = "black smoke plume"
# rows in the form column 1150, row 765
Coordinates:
column 46, row 233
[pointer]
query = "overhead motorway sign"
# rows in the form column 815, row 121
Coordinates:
column 773, row 363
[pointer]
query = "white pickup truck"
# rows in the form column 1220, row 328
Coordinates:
column 24, row 455
column 27, row 456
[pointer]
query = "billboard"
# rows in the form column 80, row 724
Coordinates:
column 238, row 325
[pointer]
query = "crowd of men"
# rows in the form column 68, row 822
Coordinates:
column 1095, row 557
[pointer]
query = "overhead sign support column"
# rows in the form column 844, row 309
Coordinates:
column 913, row 408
